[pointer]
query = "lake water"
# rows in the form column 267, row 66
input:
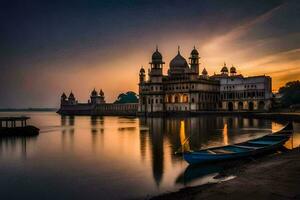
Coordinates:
column 115, row 157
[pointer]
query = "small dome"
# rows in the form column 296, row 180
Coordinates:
column 156, row 55
column 194, row 52
column 101, row 93
column 142, row 70
column 204, row 72
column 94, row 93
column 224, row 69
column 232, row 70
column 178, row 62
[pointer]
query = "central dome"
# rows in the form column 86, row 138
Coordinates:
column 178, row 62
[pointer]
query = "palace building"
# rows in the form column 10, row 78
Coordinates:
column 238, row 93
column 96, row 105
column 184, row 89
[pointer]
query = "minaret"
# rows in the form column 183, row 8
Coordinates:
column 156, row 71
column 194, row 60
column 142, row 75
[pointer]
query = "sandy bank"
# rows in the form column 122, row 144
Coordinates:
column 272, row 177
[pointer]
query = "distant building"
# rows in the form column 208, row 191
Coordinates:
column 183, row 89
column 238, row 93
column 95, row 106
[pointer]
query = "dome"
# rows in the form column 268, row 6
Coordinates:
column 204, row 72
column 224, row 69
column 232, row 70
column 156, row 55
column 194, row 52
column 94, row 93
column 178, row 62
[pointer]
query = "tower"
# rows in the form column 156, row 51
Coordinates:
column 101, row 97
column 71, row 99
column 156, row 65
column 194, row 60
column 142, row 75
column 63, row 99
column 97, row 98
column 94, row 97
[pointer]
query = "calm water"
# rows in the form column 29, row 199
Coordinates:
column 115, row 157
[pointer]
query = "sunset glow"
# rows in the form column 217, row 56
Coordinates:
column 102, row 49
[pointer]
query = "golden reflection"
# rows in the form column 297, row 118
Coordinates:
column 225, row 134
column 185, row 146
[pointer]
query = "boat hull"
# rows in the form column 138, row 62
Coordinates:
column 208, row 155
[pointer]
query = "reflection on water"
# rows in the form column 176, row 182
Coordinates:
column 184, row 141
column 116, row 157
column 225, row 135
column 15, row 145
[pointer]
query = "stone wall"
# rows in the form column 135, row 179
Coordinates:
column 100, row 109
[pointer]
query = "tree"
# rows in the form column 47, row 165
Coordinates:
column 128, row 97
column 290, row 93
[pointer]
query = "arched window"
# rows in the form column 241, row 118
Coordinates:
column 176, row 99
column 170, row 98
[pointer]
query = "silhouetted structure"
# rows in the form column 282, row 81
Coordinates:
column 95, row 106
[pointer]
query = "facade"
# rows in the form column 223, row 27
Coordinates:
column 183, row 89
column 95, row 106
column 239, row 93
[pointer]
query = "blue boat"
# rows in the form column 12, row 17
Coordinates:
column 249, row 148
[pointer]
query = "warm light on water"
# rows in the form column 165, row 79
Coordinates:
column 185, row 146
column 225, row 134
column 114, row 157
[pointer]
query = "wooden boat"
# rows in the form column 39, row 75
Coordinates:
column 244, row 149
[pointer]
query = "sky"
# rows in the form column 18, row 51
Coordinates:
column 53, row 46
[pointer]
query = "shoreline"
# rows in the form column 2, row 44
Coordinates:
column 275, row 176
